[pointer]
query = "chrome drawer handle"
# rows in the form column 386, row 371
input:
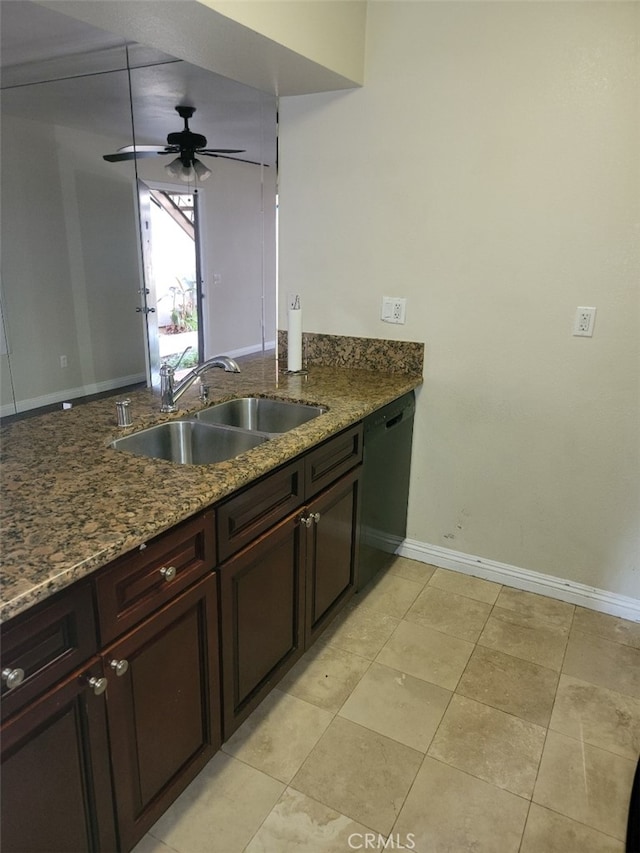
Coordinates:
column 12, row 677
column 168, row 572
column 119, row 667
column 98, row 685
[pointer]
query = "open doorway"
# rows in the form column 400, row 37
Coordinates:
column 174, row 259
column 173, row 294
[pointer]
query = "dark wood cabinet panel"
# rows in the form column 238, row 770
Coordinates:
column 46, row 644
column 56, row 784
column 326, row 463
column 163, row 711
column 247, row 515
column 138, row 583
column 331, row 553
column 262, row 590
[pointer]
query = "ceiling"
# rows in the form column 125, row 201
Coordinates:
column 59, row 70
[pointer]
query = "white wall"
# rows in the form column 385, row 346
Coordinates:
column 239, row 262
column 331, row 34
column 277, row 47
column 69, row 266
column 488, row 171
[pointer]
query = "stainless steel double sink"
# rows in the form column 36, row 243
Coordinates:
column 221, row 432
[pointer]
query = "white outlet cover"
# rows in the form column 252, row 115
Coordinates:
column 394, row 309
column 584, row 322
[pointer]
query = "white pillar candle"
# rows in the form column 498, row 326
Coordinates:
column 294, row 340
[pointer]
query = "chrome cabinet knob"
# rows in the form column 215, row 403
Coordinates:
column 98, row 685
column 12, row 677
column 315, row 516
column 168, row 572
column 306, row 521
column 119, row 667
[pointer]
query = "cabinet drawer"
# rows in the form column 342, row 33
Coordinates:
column 47, row 644
column 245, row 516
column 332, row 459
column 135, row 585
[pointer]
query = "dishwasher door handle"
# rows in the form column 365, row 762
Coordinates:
column 394, row 420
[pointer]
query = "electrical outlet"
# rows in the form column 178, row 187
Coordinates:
column 584, row 322
column 394, row 309
column 63, row 361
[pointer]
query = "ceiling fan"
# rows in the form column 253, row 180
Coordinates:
column 186, row 145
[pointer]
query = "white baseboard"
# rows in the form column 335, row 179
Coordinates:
column 74, row 393
column 491, row 570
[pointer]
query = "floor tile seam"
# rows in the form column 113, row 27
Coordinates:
column 446, row 633
column 413, row 580
column 577, row 820
column 594, row 683
column 528, row 800
column 259, row 769
column 491, row 604
column 447, row 592
column 592, row 746
column 390, row 737
column 555, row 810
column 312, row 705
column 590, row 743
column 606, row 639
column 524, row 825
column 599, row 687
column 160, row 841
column 546, row 623
column 429, row 628
column 316, row 799
column 344, row 701
column 524, row 797
column 263, row 821
column 501, row 711
column 408, row 794
column 517, row 657
column 373, row 608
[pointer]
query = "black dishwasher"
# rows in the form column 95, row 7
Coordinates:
column 385, row 484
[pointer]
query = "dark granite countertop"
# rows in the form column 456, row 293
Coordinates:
column 71, row 503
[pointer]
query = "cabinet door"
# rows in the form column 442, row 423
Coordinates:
column 262, row 618
column 331, row 553
column 163, row 710
column 56, row 784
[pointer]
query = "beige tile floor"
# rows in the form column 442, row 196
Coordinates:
column 440, row 713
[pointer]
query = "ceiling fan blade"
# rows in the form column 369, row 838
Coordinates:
column 220, row 150
column 130, row 155
column 128, row 148
column 237, row 159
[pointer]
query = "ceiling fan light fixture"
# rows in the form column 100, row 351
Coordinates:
column 175, row 168
column 202, row 172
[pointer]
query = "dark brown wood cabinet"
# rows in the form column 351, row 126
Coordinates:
column 280, row 591
column 56, row 781
column 331, row 548
column 262, row 597
column 163, row 706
